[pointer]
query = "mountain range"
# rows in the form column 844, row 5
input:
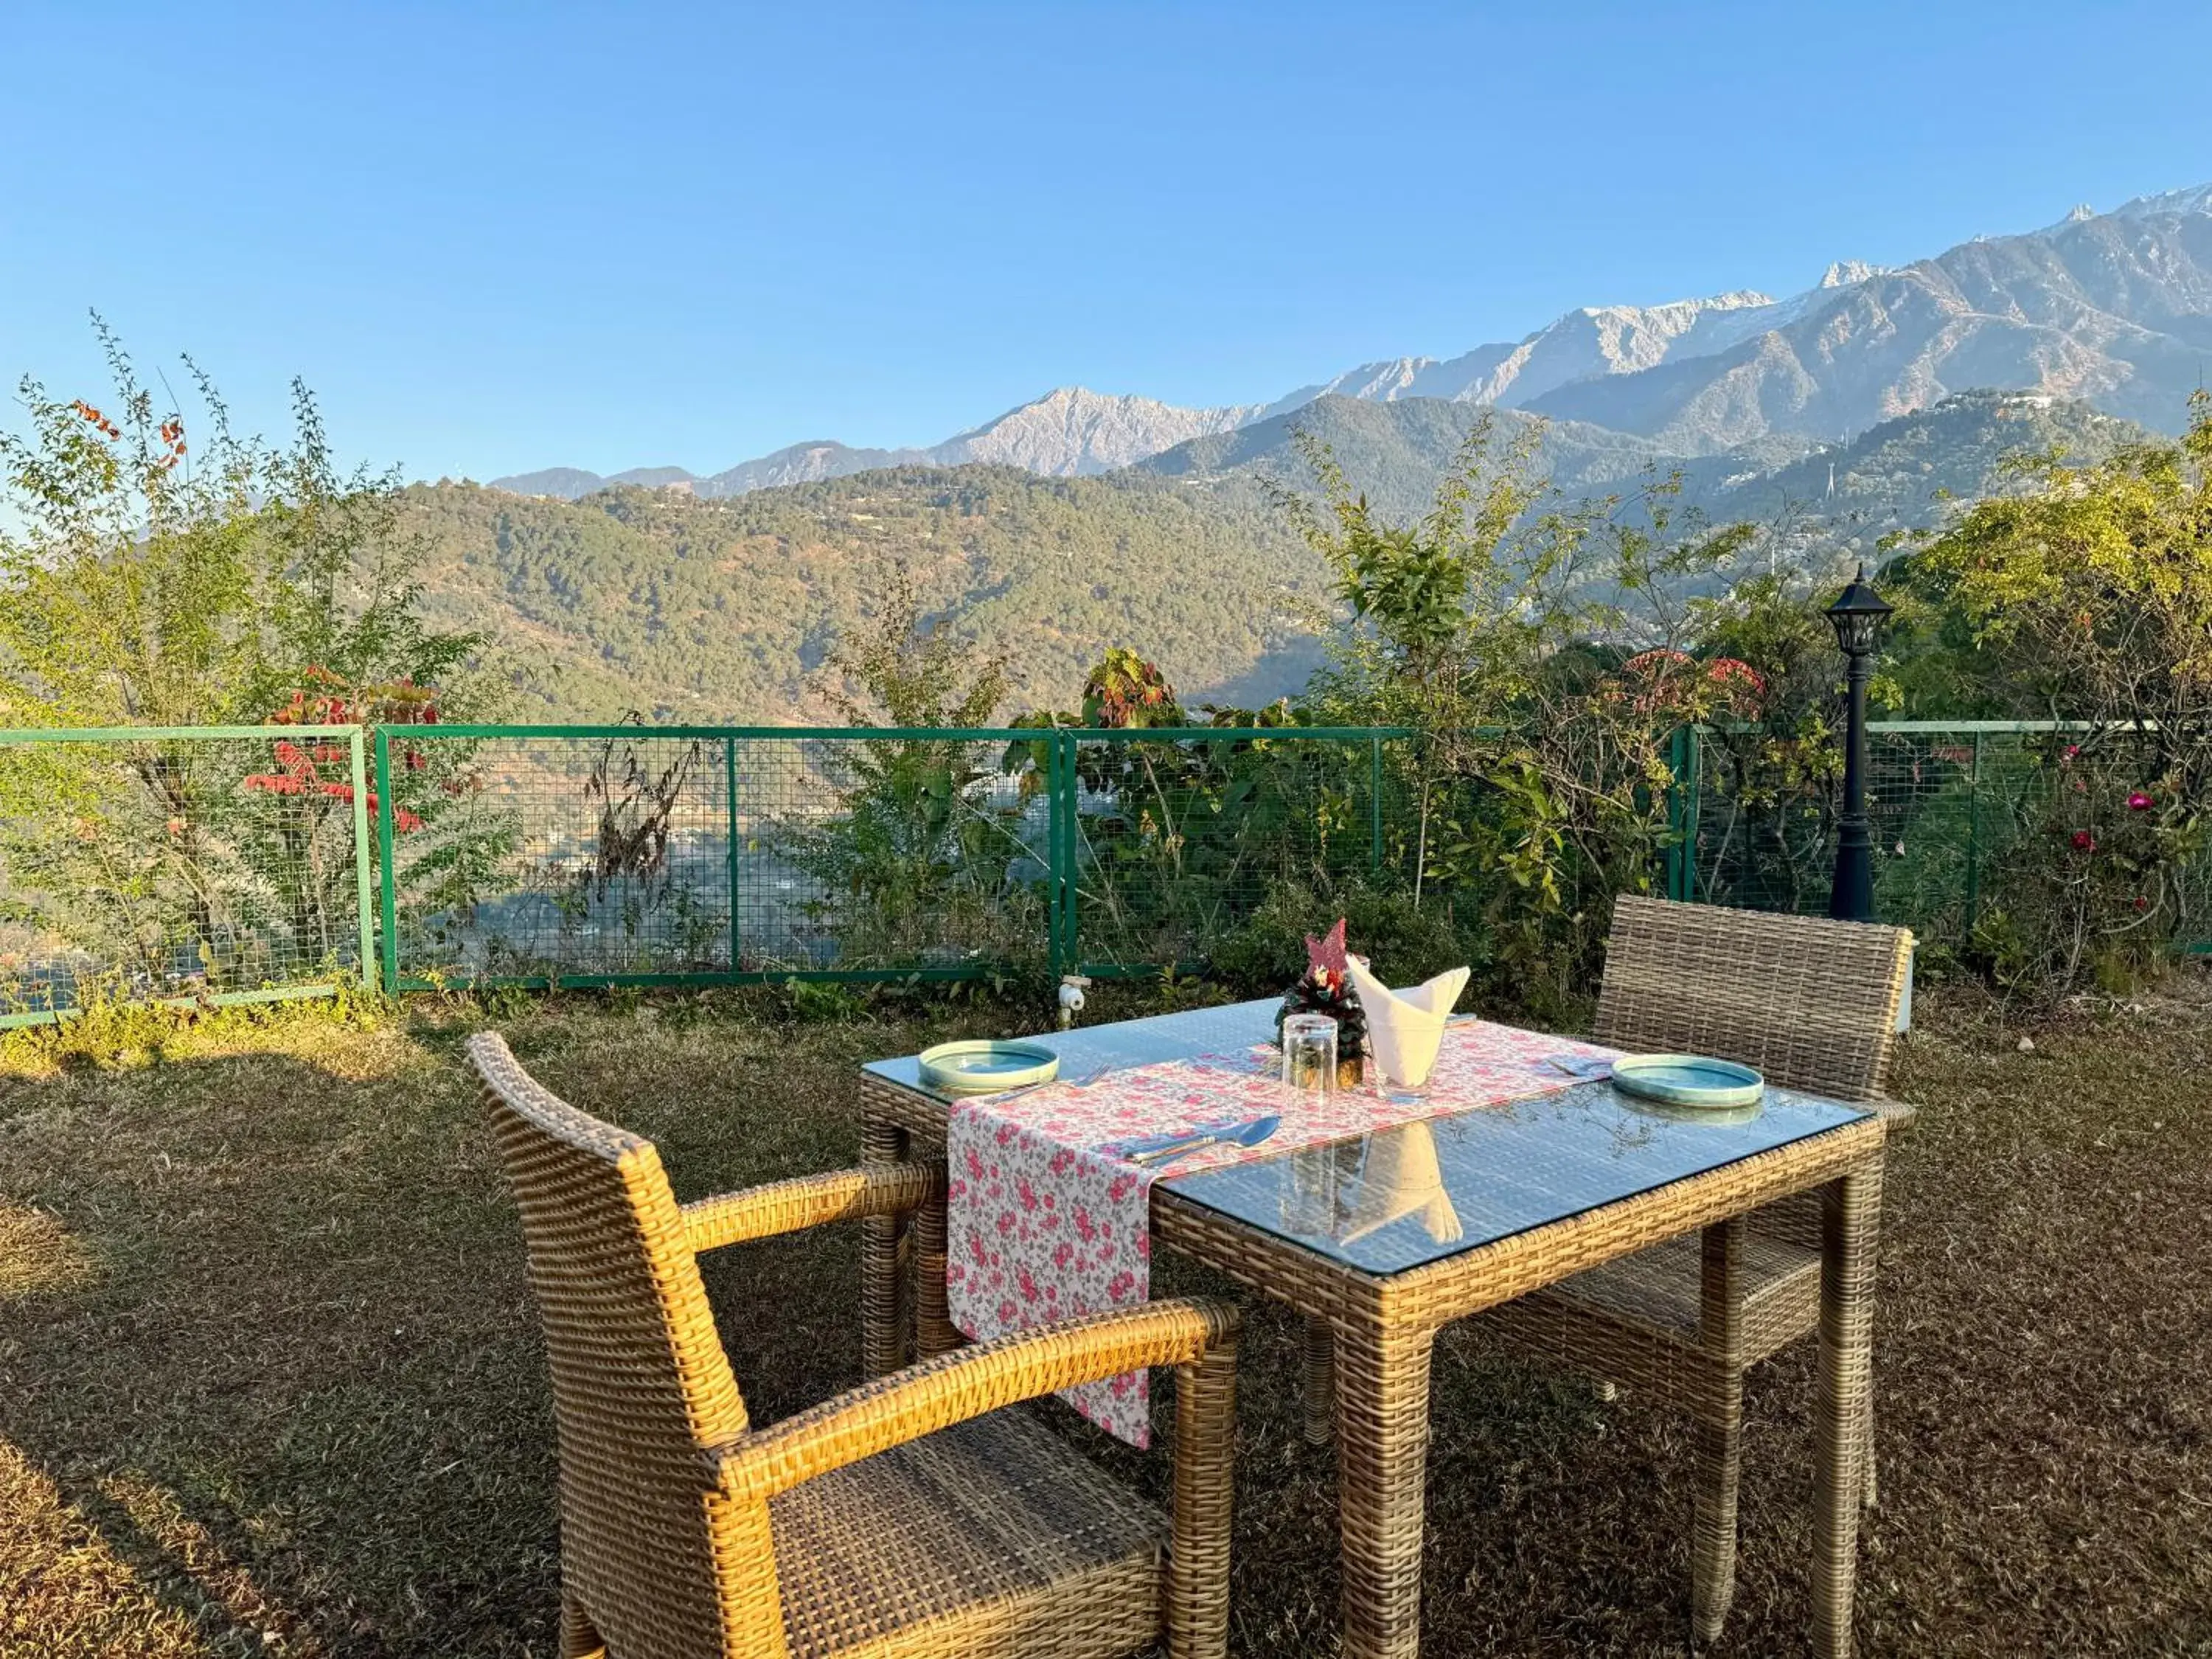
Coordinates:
column 638, row 598
column 2112, row 309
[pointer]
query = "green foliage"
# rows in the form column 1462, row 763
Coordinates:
column 150, row 578
column 910, row 669
column 725, row 611
column 158, row 582
column 917, row 863
column 1540, row 785
column 1405, row 942
column 2087, row 594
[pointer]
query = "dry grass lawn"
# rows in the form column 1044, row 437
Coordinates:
column 270, row 1381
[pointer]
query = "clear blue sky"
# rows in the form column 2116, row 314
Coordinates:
column 498, row 236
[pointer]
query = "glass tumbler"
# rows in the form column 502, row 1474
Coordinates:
column 1309, row 1055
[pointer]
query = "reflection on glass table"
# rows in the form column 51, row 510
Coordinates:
column 1404, row 1196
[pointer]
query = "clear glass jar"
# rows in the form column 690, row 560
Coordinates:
column 1309, row 1055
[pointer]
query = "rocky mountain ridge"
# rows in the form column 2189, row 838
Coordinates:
column 2113, row 309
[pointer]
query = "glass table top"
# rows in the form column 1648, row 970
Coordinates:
column 1089, row 1049
column 1430, row 1188
column 1394, row 1199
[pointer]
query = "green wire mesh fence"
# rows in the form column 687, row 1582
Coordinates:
column 1957, row 809
column 641, row 856
column 203, row 865
column 229, row 864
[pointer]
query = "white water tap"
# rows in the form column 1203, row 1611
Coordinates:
column 1071, row 986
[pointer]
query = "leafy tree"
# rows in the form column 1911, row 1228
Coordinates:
column 153, row 576
column 158, row 582
column 915, row 864
column 2086, row 595
column 1537, row 647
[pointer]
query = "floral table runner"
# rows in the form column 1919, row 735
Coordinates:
column 1047, row 1221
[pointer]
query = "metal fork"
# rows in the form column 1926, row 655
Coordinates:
column 1084, row 1081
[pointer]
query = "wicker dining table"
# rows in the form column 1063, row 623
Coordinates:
column 1536, row 1190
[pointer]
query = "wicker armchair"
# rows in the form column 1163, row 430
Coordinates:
column 1812, row 1005
column 911, row 1516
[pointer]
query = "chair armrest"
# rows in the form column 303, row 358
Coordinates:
column 788, row 1207
column 1898, row 1117
column 971, row 1383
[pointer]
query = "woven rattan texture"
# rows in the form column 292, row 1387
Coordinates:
column 640, row 1386
column 964, row 1540
column 1812, row 1004
column 911, row 1516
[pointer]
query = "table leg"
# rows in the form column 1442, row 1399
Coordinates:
column 1382, row 1472
column 1318, row 1390
column 933, row 1331
column 884, row 1306
column 1850, row 1218
column 1719, row 1429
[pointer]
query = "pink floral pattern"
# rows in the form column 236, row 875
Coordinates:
column 1045, row 1221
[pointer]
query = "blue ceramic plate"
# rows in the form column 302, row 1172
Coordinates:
column 984, row 1068
column 1688, row 1080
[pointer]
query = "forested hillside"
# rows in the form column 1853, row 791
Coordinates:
column 720, row 610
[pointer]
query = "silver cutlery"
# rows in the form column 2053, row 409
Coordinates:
column 1250, row 1132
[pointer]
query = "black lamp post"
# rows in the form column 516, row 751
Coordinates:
column 1857, row 616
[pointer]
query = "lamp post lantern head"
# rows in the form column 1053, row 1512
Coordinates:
column 1857, row 616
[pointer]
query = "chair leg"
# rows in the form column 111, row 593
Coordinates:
column 1205, row 1480
column 1319, row 1394
column 1719, row 1430
column 578, row 1640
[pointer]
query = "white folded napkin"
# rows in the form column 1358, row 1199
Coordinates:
column 1405, row 1028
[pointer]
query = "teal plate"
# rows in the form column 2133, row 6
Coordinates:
column 984, row 1068
column 1688, row 1080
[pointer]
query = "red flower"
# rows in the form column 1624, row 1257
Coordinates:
column 2084, row 842
column 1727, row 669
column 415, row 761
column 404, row 820
column 2142, row 904
column 2138, row 801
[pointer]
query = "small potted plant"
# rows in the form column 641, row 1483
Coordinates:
column 1326, row 987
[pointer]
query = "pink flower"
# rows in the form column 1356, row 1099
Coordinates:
column 2084, row 842
column 2072, row 750
column 2138, row 801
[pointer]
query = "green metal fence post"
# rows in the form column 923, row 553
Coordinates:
column 1375, row 803
column 729, row 805
column 388, row 877
column 1678, row 849
column 1055, row 947
column 1071, row 788
column 363, row 876
column 1974, row 841
column 1695, row 739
